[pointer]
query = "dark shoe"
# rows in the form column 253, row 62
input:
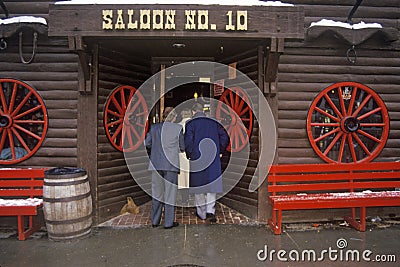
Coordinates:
column 211, row 217
column 154, row 225
column 198, row 216
column 175, row 224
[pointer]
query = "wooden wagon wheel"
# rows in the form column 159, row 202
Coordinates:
column 125, row 133
column 23, row 121
column 347, row 122
column 239, row 133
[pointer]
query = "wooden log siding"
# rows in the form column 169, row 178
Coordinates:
column 53, row 73
column 305, row 71
column 115, row 183
column 239, row 197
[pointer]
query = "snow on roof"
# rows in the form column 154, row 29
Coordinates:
column 361, row 25
column 25, row 19
column 177, row 2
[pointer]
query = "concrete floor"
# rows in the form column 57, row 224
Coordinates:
column 203, row 245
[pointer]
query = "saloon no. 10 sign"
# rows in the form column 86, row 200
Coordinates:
column 146, row 19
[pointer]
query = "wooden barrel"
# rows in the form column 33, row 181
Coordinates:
column 67, row 203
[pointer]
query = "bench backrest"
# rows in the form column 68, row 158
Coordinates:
column 21, row 182
column 352, row 177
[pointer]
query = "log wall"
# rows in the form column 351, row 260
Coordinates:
column 115, row 182
column 306, row 68
column 53, row 73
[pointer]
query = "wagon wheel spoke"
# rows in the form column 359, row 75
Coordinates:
column 352, row 150
column 27, row 112
column 126, row 126
column 118, row 106
column 359, row 131
column 23, row 121
column 342, row 146
column 333, row 106
column 361, row 106
column 21, row 140
column 3, row 101
column 29, row 122
column 27, row 132
column 128, row 135
column 373, row 138
column 117, row 133
column 327, row 134
column 115, row 114
column 333, row 142
column 341, row 100
column 23, row 102
column 12, row 147
column 327, row 114
column 14, row 94
column 361, row 143
column 114, row 123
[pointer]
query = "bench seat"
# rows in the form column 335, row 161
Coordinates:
column 326, row 186
column 21, row 190
column 332, row 200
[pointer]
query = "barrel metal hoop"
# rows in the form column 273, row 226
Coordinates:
column 71, row 234
column 65, row 176
column 66, row 199
column 77, row 220
column 76, row 182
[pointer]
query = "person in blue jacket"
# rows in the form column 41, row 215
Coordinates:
column 205, row 141
column 165, row 141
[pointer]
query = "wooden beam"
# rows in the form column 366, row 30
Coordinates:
column 272, row 62
column 76, row 43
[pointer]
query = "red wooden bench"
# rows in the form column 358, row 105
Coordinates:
column 326, row 186
column 18, row 191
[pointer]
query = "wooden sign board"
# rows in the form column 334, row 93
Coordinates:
column 176, row 21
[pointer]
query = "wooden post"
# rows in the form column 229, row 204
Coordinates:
column 87, row 135
column 268, row 62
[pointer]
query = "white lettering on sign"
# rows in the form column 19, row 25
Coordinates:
column 241, row 21
column 147, row 19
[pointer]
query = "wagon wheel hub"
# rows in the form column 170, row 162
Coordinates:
column 350, row 124
column 5, row 121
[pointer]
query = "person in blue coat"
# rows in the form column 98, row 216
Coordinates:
column 165, row 141
column 205, row 141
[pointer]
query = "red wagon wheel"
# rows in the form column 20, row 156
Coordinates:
column 239, row 132
column 125, row 133
column 347, row 122
column 23, row 121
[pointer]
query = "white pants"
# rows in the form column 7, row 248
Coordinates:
column 205, row 203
